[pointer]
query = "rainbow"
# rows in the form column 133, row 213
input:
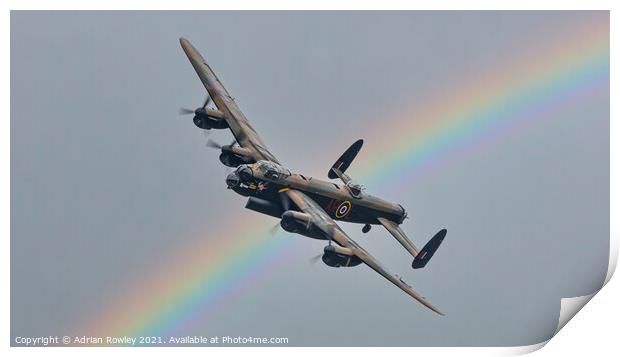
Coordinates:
column 435, row 132
column 200, row 278
column 446, row 127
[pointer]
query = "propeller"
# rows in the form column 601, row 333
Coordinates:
column 286, row 205
column 187, row 111
column 215, row 145
column 315, row 259
column 275, row 229
column 205, row 134
column 206, row 102
column 330, row 234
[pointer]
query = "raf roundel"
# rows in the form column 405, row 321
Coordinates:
column 343, row 209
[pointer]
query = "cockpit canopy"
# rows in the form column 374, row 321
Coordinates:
column 272, row 171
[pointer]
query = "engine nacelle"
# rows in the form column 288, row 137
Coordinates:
column 208, row 118
column 300, row 223
column 334, row 256
column 231, row 159
column 207, row 122
column 264, row 207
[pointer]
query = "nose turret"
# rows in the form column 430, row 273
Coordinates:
column 243, row 174
column 233, row 180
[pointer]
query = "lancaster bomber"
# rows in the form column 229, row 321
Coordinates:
column 304, row 205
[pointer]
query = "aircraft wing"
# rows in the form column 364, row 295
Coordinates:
column 243, row 132
column 331, row 229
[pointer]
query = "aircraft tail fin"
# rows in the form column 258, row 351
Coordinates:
column 425, row 255
column 421, row 257
column 343, row 162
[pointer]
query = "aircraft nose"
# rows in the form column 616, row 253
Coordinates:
column 232, row 180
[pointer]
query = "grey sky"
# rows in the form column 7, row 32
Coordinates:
column 106, row 178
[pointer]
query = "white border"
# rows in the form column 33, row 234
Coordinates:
column 311, row 5
column 592, row 331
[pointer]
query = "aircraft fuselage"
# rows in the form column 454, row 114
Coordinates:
column 266, row 181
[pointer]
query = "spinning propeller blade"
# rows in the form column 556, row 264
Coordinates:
column 213, row 144
column 275, row 229
column 206, row 102
column 315, row 259
column 185, row 111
